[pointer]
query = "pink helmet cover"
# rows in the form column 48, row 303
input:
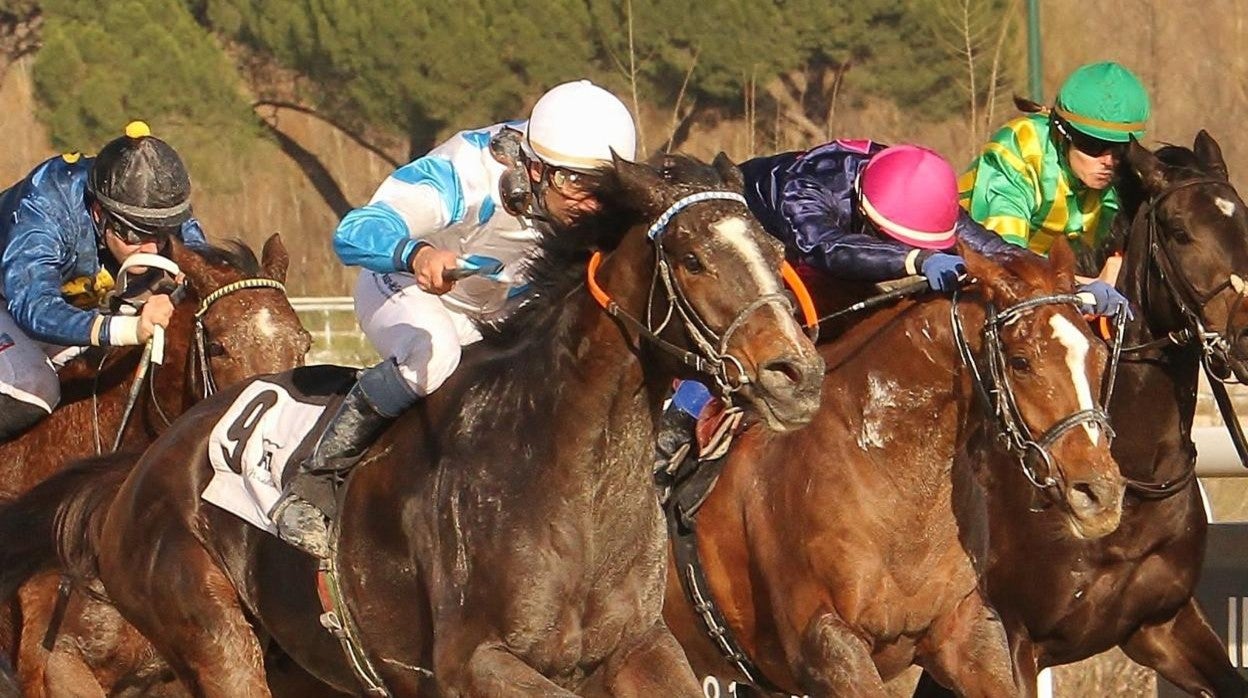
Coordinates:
column 911, row 194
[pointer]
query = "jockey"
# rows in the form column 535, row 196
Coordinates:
column 852, row 210
column 65, row 230
column 1051, row 173
column 482, row 199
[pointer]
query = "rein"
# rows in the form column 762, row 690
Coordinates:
column 710, row 357
column 993, row 387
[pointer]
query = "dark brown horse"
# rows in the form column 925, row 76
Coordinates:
column 842, row 554
column 1064, row 599
column 248, row 327
column 504, row 537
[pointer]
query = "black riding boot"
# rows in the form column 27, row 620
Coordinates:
column 674, row 442
column 310, row 497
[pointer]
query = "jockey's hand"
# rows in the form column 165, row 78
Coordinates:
column 428, row 265
column 1105, row 300
column 156, row 311
column 944, row 272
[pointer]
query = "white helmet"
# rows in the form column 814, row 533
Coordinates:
column 577, row 124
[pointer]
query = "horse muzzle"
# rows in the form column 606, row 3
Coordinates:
column 1094, row 505
column 786, row 388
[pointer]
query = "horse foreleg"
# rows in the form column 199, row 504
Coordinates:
column 494, row 672
column 175, row 594
column 49, row 673
column 968, row 650
column 655, row 665
column 834, row 661
column 1188, row 653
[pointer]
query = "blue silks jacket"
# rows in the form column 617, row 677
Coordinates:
column 51, row 266
column 809, row 201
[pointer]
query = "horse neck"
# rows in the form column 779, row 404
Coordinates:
column 893, row 348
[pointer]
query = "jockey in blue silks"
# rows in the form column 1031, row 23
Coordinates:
column 65, row 229
column 853, row 210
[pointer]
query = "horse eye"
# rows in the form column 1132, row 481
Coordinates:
column 216, row 349
column 1020, row 364
column 691, row 263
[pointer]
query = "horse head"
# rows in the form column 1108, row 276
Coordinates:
column 717, row 291
column 243, row 324
column 1187, row 256
column 1042, row 376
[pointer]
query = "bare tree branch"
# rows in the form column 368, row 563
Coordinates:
column 349, row 133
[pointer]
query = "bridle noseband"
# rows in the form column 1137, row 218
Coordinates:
column 710, row 355
column 993, row 387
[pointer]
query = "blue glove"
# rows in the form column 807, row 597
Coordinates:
column 1108, row 300
column 943, row 271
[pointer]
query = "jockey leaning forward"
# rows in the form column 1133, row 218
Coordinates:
column 853, row 210
column 1050, row 173
column 460, row 203
column 65, row 230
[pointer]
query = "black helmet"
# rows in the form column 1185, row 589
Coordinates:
column 140, row 180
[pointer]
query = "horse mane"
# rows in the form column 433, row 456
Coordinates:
column 234, row 254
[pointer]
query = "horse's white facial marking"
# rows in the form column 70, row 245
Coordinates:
column 1226, row 207
column 735, row 231
column 264, row 324
column 1076, row 358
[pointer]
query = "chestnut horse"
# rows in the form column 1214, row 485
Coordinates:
column 1064, row 599
column 248, row 327
column 842, row 554
column 503, row 538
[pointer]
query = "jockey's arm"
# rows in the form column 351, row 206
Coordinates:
column 32, row 287
column 416, row 200
column 819, row 231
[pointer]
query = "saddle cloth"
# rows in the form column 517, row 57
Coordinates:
column 273, row 423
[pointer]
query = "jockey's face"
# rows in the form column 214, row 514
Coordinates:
column 567, row 195
column 122, row 242
column 1096, row 172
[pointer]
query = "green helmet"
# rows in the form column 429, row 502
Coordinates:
column 1104, row 100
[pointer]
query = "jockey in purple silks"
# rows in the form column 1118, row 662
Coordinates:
column 853, row 210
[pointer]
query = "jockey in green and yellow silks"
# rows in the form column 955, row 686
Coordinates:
column 1051, row 173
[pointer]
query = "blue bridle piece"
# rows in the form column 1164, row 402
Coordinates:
column 661, row 223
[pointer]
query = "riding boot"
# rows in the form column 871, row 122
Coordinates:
column 676, row 437
column 309, row 499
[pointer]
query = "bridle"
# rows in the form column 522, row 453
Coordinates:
column 1211, row 344
column 710, row 353
column 1190, row 301
column 203, row 367
column 992, row 385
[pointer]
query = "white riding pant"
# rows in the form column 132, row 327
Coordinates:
column 28, row 368
column 418, row 330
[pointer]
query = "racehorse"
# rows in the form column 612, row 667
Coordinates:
column 1064, row 599
column 234, row 322
column 504, row 537
column 841, row 554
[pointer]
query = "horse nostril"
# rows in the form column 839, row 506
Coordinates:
column 1083, row 497
column 789, row 370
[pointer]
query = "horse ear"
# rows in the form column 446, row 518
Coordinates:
column 274, row 258
column 1062, row 259
column 1210, row 154
column 1147, row 167
column 729, row 171
column 642, row 184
